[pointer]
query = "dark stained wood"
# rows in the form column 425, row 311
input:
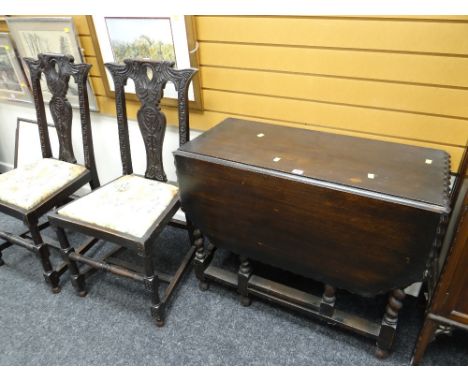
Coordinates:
column 327, row 305
column 449, row 303
column 150, row 78
column 57, row 70
column 353, row 213
column 399, row 170
column 389, row 322
column 364, row 245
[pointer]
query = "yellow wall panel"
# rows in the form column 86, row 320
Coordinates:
column 87, row 46
column 207, row 119
column 98, row 86
column 380, row 122
column 400, row 79
column 412, row 68
column 347, row 33
column 95, row 68
column 414, row 98
column 81, row 24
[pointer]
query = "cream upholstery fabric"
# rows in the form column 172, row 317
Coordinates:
column 130, row 205
column 29, row 185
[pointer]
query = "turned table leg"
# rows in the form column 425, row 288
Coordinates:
column 389, row 323
column 327, row 305
column 243, row 276
column 202, row 258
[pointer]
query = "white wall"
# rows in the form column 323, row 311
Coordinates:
column 106, row 143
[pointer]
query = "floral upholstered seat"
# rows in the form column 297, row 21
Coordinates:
column 28, row 186
column 129, row 205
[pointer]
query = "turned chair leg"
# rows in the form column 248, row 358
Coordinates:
column 389, row 323
column 243, row 276
column 152, row 285
column 77, row 279
column 50, row 275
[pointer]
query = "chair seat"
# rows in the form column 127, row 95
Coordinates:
column 129, row 205
column 28, row 186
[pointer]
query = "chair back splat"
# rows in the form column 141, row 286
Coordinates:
column 150, row 79
column 57, row 70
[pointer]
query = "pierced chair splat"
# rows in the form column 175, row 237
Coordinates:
column 28, row 192
column 132, row 210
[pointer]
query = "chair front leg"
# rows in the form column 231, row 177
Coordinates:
column 50, row 275
column 77, row 279
column 152, row 285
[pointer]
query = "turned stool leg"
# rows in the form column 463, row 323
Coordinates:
column 77, row 279
column 243, row 276
column 50, row 275
column 389, row 323
column 327, row 305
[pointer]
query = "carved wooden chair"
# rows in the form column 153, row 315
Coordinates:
column 132, row 210
column 28, row 192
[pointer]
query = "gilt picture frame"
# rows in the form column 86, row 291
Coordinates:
column 169, row 38
column 34, row 35
column 13, row 83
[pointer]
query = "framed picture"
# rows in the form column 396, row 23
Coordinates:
column 13, row 84
column 168, row 38
column 34, row 35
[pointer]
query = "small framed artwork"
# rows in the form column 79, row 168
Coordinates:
column 162, row 38
column 13, row 85
column 34, row 35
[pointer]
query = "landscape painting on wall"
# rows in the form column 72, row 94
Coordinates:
column 162, row 38
column 49, row 35
column 141, row 38
column 44, row 42
column 12, row 82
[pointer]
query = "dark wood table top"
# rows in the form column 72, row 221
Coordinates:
column 398, row 170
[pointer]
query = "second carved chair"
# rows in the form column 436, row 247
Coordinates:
column 132, row 210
